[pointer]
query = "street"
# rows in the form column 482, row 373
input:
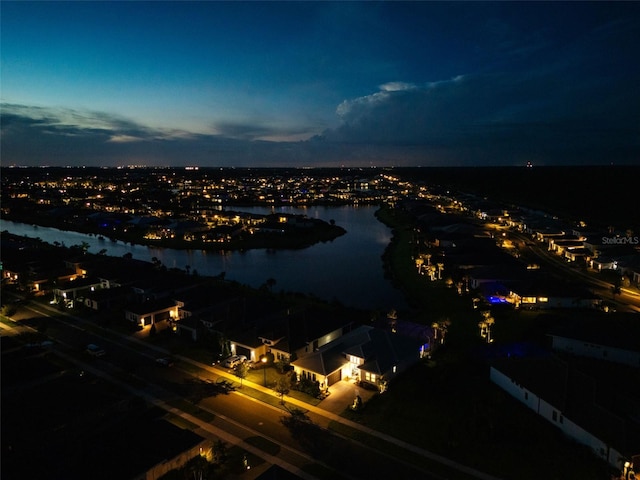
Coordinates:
column 237, row 418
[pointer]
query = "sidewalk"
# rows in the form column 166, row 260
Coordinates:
column 342, row 395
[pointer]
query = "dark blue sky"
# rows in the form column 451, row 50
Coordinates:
column 320, row 83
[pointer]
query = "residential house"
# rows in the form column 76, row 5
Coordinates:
column 613, row 337
column 77, row 287
column 154, row 312
column 544, row 292
column 602, row 417
column 366, row 354
column 103, row 299
column 291, row 335
column 545, row 234
column 581, row 255
column 510, row 270
column 629, row 265
column 603, row 263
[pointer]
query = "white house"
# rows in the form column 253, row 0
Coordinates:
column 566, row 398
column 613, row 337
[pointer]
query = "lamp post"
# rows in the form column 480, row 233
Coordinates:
column 264, row 369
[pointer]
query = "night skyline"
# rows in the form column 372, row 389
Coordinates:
column 320, row 83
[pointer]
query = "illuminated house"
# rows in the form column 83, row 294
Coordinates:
column 77, row 287
column 153, row 312
column 545, row 293
column 366, row 354
column 295, row 335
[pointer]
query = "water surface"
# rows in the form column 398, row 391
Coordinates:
column 348, row 269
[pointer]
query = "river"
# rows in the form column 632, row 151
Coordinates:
column 348, row 269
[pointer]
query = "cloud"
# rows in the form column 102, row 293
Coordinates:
column 396, row 86
column 501, row 117
column 556, row 114
column 50, row 136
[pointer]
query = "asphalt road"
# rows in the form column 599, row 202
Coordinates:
column 237, row 418
column 627, row 301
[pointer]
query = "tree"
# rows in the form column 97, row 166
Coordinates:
column 392, row 317
column 616, row 288
column 431, row 271
column 485, row 325
column 440, row 329
column 219, row 452
column 283, row 386
column 241, row 371
column 440, row 266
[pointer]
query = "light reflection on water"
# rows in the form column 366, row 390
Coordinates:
column 348, row 269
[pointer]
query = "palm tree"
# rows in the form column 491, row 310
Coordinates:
column 485, row 325
column 431, row 270
column 440, row 328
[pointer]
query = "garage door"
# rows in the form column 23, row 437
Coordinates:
column 243, row 351
column 334, row 377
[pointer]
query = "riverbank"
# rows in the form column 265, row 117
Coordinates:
column 287, row 237
column 429, row 301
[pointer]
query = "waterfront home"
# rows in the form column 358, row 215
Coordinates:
column 544, row 292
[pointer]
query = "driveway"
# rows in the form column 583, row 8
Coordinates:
column 342, row 395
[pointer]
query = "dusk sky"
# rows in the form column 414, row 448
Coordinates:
column 270, row 84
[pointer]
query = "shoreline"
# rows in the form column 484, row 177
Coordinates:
column 321, row 233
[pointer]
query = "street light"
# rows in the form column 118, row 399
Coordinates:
column 264, row 369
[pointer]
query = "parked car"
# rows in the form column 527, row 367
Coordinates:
column 94, row 350
column 164, row 362
column 233, row 360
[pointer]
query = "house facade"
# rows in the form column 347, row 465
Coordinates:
column 368, row 355
column 153, row 312
column 565, row 399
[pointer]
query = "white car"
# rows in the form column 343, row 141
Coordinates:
column 233, row 360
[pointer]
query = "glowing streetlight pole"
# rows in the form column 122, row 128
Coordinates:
column 264, row 369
